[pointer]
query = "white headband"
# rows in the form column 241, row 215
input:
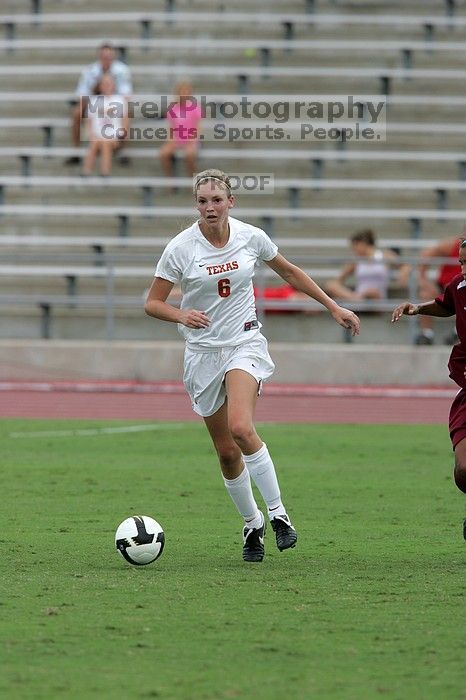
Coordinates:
column 211, row 177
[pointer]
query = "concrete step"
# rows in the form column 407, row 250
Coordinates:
column 356, row 197
column 288, row 84
column 25, row 6
column 243, row 55
column 151, row 168
column 320, row 31
column 347, row 6
column 365, row 364
column 163, row 227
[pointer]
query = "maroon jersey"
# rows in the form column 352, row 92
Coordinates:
column 454, row 300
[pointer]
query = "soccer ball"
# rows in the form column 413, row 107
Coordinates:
column 140, row 540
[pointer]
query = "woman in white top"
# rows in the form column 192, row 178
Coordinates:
column 226, row 356
column 106, row 127
column 371, row 272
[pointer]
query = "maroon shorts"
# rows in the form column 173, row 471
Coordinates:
column 457, row 420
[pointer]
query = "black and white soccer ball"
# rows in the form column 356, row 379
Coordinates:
column 140, row 540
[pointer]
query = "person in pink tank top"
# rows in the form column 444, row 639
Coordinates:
column 184, row 120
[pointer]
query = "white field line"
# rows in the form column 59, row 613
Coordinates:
column 86, row 432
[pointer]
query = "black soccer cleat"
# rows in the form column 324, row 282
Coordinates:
column 464, row 529
column 285, row 533
column 253, row 542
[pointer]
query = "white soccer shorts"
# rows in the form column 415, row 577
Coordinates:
column 204, row 371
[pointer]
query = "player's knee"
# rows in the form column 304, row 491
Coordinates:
column 242, row 432
column 228, row 455
column 460, row 475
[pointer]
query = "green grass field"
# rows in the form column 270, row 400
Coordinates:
column 370, row 604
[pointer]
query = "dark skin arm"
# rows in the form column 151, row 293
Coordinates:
column 429, row 308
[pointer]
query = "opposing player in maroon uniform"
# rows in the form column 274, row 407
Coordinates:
column 451, row 302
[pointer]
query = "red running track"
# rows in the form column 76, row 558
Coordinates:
column 281, row 404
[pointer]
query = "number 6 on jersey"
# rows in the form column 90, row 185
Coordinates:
column 224, row 288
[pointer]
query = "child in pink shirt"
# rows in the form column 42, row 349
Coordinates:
column 183, row 118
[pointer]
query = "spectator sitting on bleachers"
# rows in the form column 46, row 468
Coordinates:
column 103, row 128
column 371, row 272
column 87, row 86
column 183, row 118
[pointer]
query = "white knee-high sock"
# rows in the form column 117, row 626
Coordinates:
column 262, row 471
column 242, row 496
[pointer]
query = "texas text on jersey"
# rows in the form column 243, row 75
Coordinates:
column 218, row 281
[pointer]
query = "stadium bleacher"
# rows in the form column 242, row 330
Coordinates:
column 409, row 187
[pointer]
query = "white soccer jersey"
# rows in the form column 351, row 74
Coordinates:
column 217, row 281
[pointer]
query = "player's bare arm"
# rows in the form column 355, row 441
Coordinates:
column 297, row 278
column 157, row 307
column 429, row 308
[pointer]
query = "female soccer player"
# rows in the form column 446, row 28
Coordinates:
column 226, row 357
column 450, row 302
